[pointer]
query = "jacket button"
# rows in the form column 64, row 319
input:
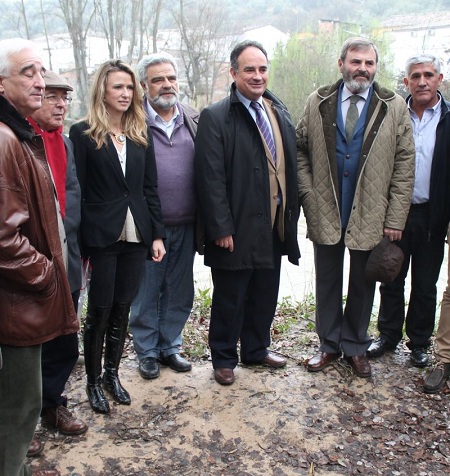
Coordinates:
column 346, row 174
column 259, row 214
column 256, row 169
column 347, row 156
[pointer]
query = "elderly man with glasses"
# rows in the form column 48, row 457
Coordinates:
column 60, row 355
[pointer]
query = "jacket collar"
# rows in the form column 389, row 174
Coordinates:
column 445, row 105
column 267, row 95
column 383, row 93
column 17, row 123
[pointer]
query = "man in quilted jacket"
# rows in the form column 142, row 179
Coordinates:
column 355, row 153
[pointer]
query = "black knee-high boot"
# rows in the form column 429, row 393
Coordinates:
column 94, row 335
column 116, row 333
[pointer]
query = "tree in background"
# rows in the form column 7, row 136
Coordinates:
column 203, row 47
column 78, row 16
column 310, row 61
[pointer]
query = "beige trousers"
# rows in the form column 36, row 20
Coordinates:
column 443, row 332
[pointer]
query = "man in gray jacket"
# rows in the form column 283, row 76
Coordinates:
column 355, row 177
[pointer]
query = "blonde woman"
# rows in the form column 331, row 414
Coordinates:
column 120, row 219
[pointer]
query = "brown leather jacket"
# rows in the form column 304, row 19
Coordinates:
column 35, row 300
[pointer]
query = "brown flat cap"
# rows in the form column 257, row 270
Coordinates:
column 52, row 80
column 385, row 262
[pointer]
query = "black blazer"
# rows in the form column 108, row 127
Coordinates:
column 106, row 194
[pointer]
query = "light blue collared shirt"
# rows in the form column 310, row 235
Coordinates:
column 424, row 140
column 167, row 127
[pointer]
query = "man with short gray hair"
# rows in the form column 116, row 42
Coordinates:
column 35, row 300
column 166, row 293
column 423, row 239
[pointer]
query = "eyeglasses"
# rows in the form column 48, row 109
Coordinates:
column 52, row 99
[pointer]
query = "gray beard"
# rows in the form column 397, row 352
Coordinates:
column 353, row 85
column 165, row 104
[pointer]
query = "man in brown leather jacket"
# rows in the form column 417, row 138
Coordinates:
column 35, row 299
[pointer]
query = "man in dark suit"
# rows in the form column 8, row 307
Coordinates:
column 245, row 175
column 60, row 355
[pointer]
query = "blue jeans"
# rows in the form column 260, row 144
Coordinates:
column 165, row 297
column 20, row 405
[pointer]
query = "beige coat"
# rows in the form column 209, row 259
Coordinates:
column 385, row 174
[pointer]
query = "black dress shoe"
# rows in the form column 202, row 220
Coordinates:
column 419, row 357
column 149, row 368
column 379, row 347
column 436, row 379
column 176, row 362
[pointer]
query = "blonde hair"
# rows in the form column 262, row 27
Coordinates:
column 133, row 120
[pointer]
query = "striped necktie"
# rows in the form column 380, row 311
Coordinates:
column 264, row 128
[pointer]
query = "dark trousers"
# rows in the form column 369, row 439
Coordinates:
column 425, row 253
column 58, row 359
column 20, row 404
column 342, row 329
column 116, row 273
column 243, row 306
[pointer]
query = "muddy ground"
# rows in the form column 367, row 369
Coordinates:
column 270, row 422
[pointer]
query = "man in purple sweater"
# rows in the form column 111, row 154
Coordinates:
column 165, row 297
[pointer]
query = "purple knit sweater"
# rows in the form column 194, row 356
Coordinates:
column 175, row 164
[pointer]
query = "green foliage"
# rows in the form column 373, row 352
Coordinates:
column 308, row 62
column 195, row 334
column 289, row 312
column 302, row 66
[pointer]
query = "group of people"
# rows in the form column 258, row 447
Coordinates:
column 144, row 181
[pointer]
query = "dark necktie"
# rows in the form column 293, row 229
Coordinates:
column 264, row 128
column 352, row 116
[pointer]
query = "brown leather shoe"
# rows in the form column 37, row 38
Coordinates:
column 62, row 419
column 321, row 360
column 224, row 376
column 35, row 449
column 360, row 365
column 46, row 472
column 273, row 360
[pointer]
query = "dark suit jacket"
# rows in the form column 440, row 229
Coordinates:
column 72, row 219
column 106, row 194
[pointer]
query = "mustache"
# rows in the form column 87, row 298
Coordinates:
column 361, row 73
column 167, row 91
